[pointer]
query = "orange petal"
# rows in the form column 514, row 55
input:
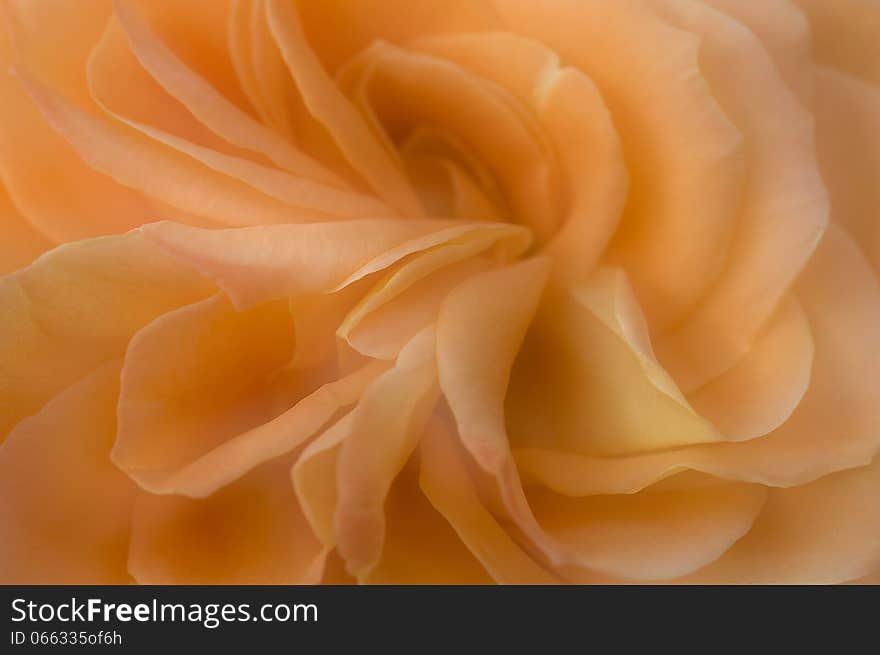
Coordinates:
column 333, row 110
column 445, row 481
column 64, row 507
column 587, row 380
column 251, row 532
column 832, row 429
column 76, row 308
column 657, row 534
column 824, row 532
column 385, row 428
column 195, row 377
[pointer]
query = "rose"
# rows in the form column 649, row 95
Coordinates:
column 440, row 291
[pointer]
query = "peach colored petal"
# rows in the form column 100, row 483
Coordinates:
column 332, row 109
column 446, row 483
column 651, row 535
column 785, row 207
column 386, row 426
column 207, row 105
column 251, row 532
column 403, row 89
column 274, row 84
column 185, row 176
column 21, row 243
column 760, row 393
column 832, row 429
column 239, row 38
column 257, row 264
column 587, row 380
column 44, row 177
column 684, row 156
column 141, row 99
column 824, row 532
column 480, row 328
column 196, row 33
column 75, row 308
column 395, row 315
column 785, row 32
column 41, row 29
column 420, row 547
column 845, row 35
column 194, row 378
column 53, row 468
column 243, row 452
column 848, row 141
column 577, row 123
column 314, row 479
column 420, row 285
column 395, row 21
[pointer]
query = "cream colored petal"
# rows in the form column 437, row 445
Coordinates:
column 587, row 380
column 251, row 532
column 64, row 507
column 832, row 429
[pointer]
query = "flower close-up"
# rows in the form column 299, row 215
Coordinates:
column 439, row 291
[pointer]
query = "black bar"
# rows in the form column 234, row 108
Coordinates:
column 425, row 619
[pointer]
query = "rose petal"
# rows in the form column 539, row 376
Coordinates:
column 587, row 380
column 824, row 532
column 50, row 185
column 760, row 393
column 845, row 35
column 785, row 206
column 832, row 429
column 76, row 308
column 577, row 123
column 848, row 140
column 385, row 428
column 53, row 468
column 333, row 110
column 446, row 483
column 21, row 242
column 652, row 535
column 479, row 330
column 251, row 532
column 684, row 156
column 195, row 377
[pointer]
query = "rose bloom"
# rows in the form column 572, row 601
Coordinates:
column 440, row 291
